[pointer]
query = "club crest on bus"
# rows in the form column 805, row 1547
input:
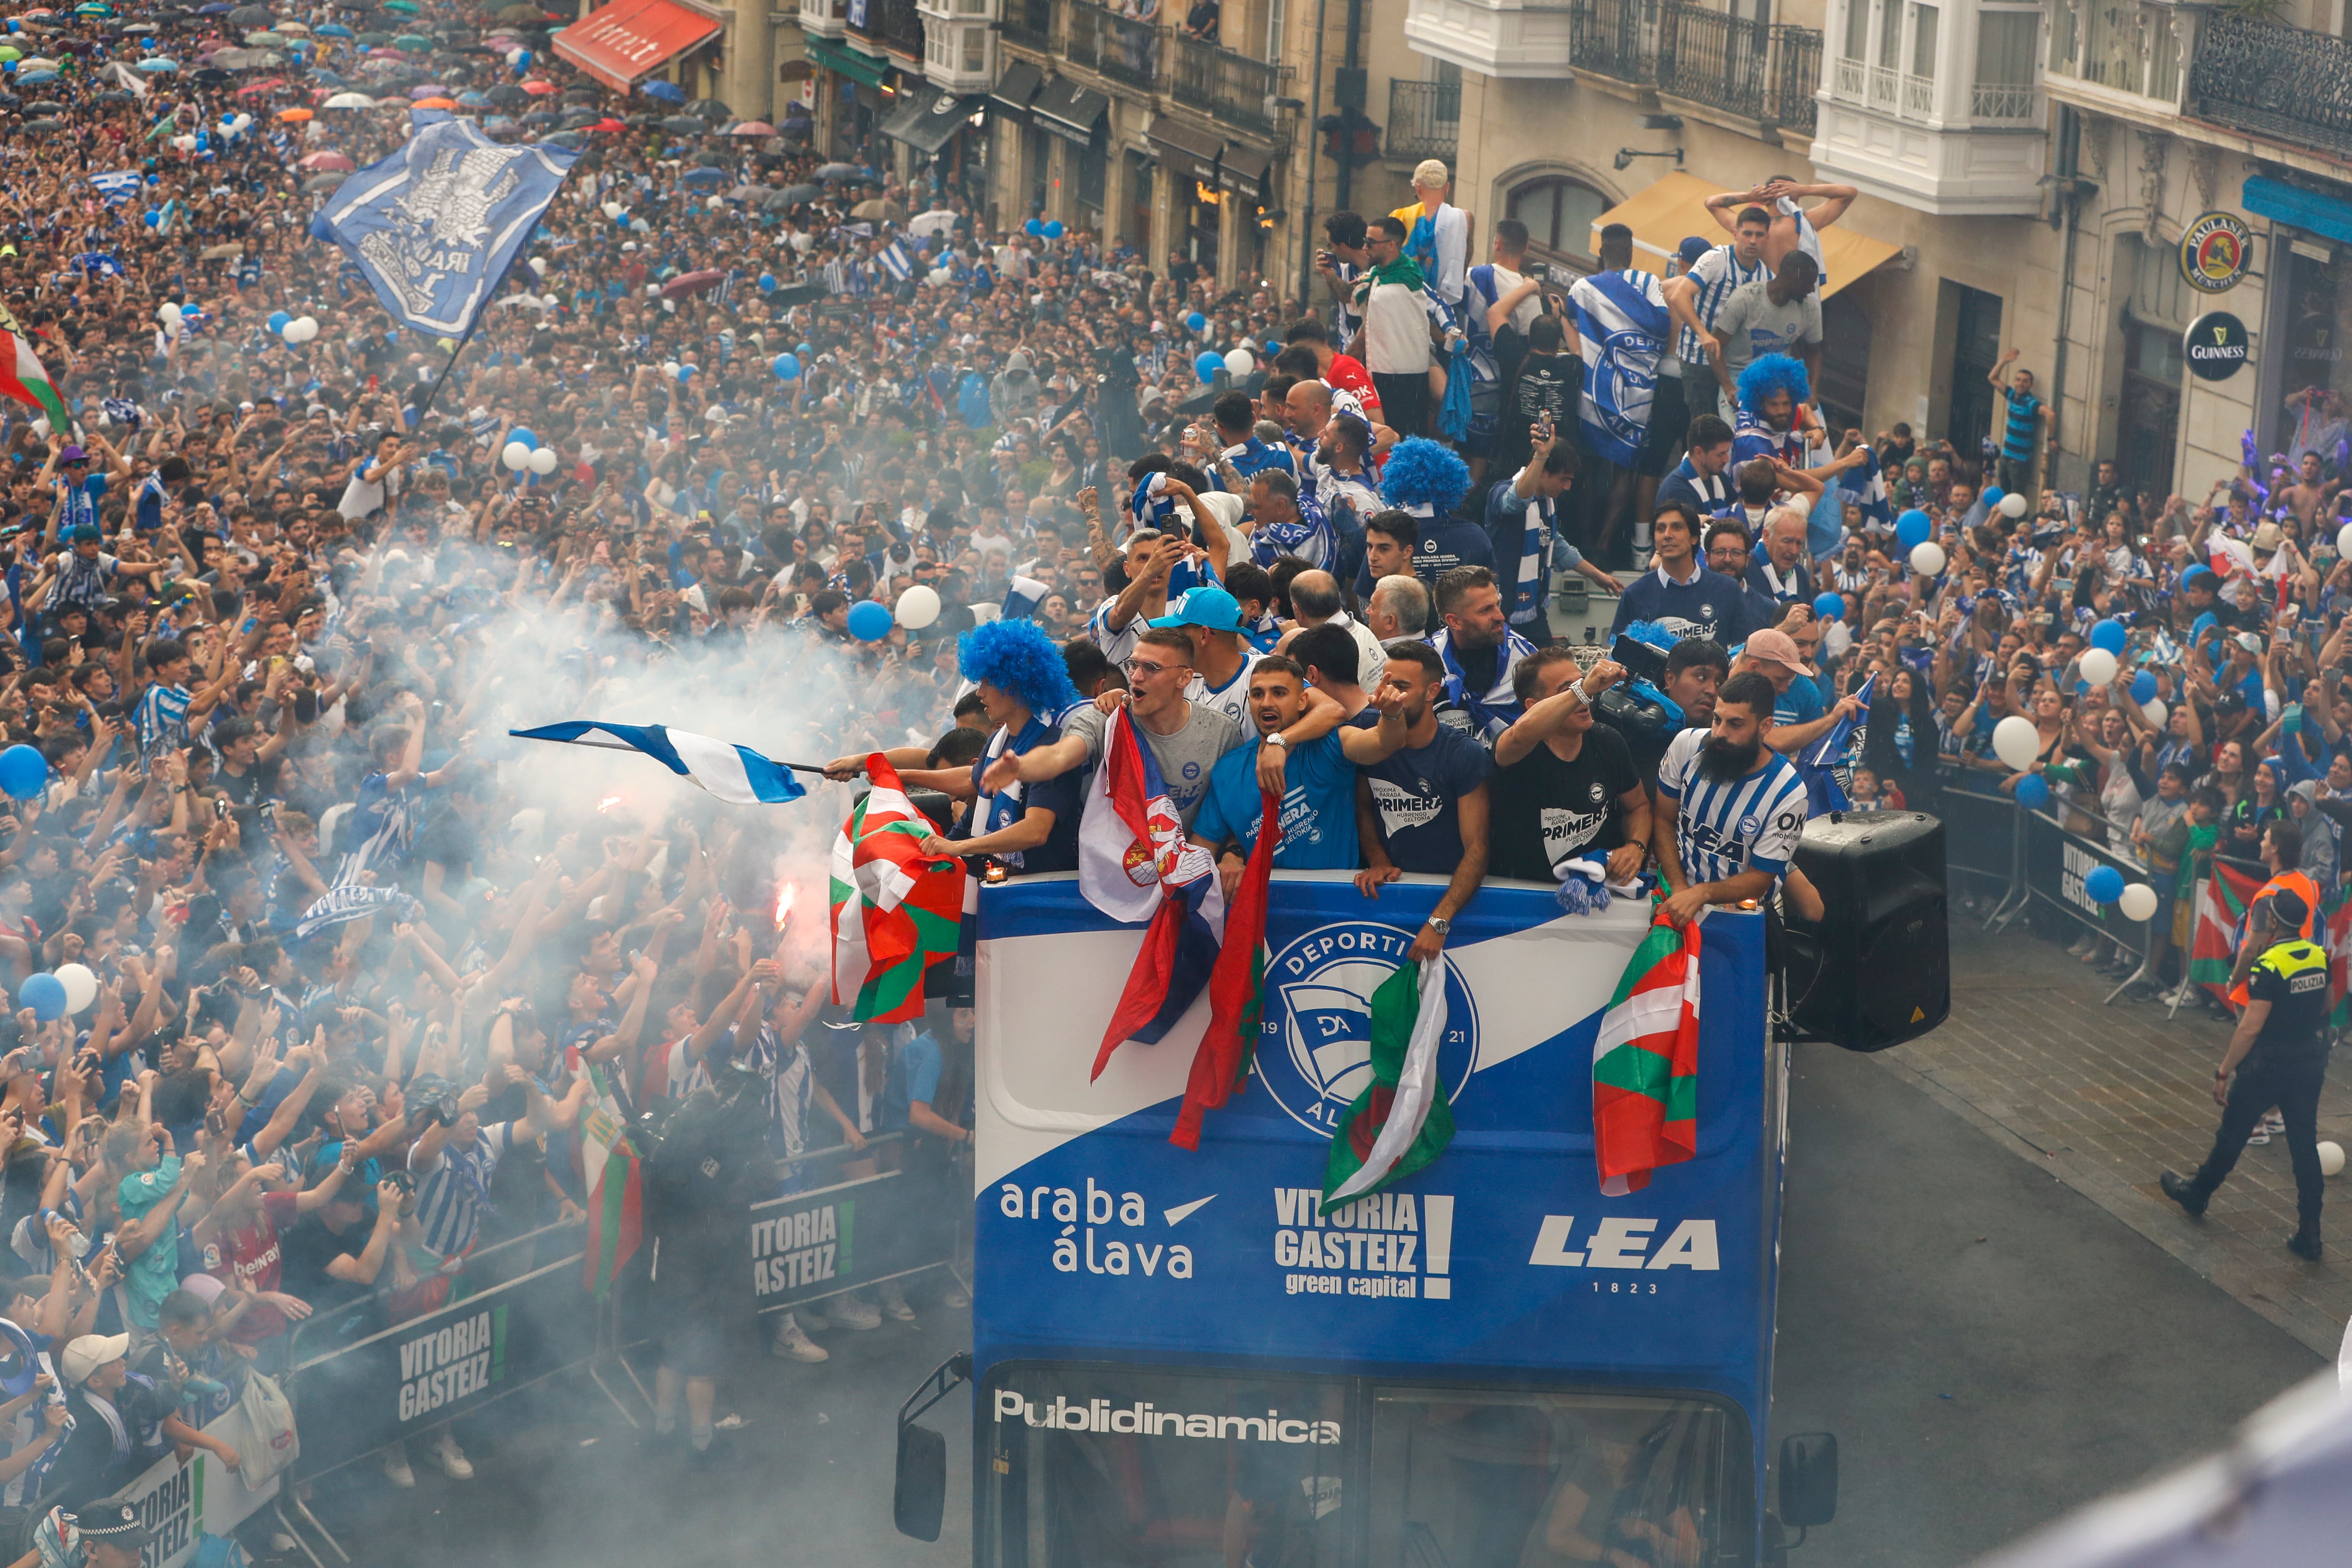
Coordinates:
column 1315, row 1056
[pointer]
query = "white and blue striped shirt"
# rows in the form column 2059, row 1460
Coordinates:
column 1725, row 827
column 1716, row 273
column 455, row 1189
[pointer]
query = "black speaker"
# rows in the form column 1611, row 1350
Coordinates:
column 1877, row 969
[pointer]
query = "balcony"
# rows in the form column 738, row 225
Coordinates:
column 2276, row 82
column 1935, row 107
column 1511, row 38
column 1233, row 87
column 2119, row 56
column 1029, row 23
column 1424, row 121
column 1113, row 46
column 1753, row 70
column 958, row 53
column 824, row 18
column 894, row 27
column 1615, row 39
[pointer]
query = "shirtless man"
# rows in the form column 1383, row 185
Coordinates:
column 1794, row 226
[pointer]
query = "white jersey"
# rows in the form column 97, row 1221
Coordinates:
column 1725, row 827
column 1231, row 700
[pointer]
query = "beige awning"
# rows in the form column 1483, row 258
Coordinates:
column 1663, row 214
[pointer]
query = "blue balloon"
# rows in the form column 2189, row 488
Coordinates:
column 686, row 373
column 1272, row 349
column 2032, row 791
column 2108, row 634
column 1035, row 228
column 1830, row 606
column 1196, row 320
column 1207, row 365
column 24, row 772
column 152, row 218
column 45, row 994
column 1913, row 528
column 2144, row 687
column 1054, row 229
column 1992, row 497
column 529, row 441
column 2105, row 884
column 787, row 367
column 869, row 620
column 768, row 283
column 278, row 319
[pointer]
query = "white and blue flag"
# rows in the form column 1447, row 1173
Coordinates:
column 1827, row 765
column 736, row 775
column 1021, row 597
column 117, row 187
column 894, row 260
column 1622, row 319
column 434, row 226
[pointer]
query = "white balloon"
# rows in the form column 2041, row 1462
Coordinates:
column 2344, row 540
column 613, row 210
column 539, row 265
column 542, row 462
column 169, row 315
column 81, row 985
column 919, row 606
column 717, row 204
column 2012, row 505
column 2331, row 1158
column 669, row 368
column 2156, row 711
column 2016, row 741
column 1927, row 558
column 2096, row 665
column 653, row 291
column 1241, row 361
column 515, row 456
column 308, row 326
column 2138, row 901
column 291, row 331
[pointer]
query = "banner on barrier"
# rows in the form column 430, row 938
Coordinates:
column 817, row 1244
column 2058, row 862
column 182, row 1503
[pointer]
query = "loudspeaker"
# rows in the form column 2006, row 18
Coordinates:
column 1877, row 969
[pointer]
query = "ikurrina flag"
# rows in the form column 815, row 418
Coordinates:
column 895, row 912
column 1135, row 863
column 2222, row 899
column 22, row 377
column 1645, row 1062
column 1221, row 1067
column 1402, row 1122
column 610, row 1174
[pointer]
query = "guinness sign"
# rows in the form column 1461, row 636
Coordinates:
column 2216, row 346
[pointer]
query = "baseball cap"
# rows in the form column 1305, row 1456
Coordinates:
column 112, row 1521
column 2266, row 537
column 2250, row 642
column 1778, row 647
column 72, row 455
column 90, row 1352
column 1692, row 248
column 1218, row 611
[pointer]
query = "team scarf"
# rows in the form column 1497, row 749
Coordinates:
column 1645, row 1062
column 1494, row 711
column 1535, row 560
column 895, row 912
column 1002, row 808
column 1401, row 1122
column 1310, row 538
column 1221, row 1067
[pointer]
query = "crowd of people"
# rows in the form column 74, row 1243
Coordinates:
column 275, row 594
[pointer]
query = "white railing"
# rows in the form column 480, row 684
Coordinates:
column 2008, row 102
column 1846, row 82
column 1918, row 97
column 1883, row 82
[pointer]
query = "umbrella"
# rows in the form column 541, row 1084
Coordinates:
column 333, row 30
column 35, row 79
column 295, row 27
column 435, row 103
column 668, row 91
column 427, row 89
column 685, row 125
column 294, row 115
column 37, row 63
column 216, row 8
column 642, row 121
column 582, row 94
column 11, row 52
column 710, row 109
column 497, row 122
column 687, row 283
column 45, row 107
column 251, row 16
column 712, row 160
column 330, row 160
column 228, row 252
column 539, row 121
column 874, row 209
column 575, row 118
column 412, row 41
column 260, row 87
column 403, row 7
column 752, row 128
column 539, row 89
column 118, row 96
column 161, row 65
column 473, row 100
column 800, row 192
column 703, row 177
column 45, row 125
column 263, row 40
column 351, row 100
column 508, row 93
column 318, row 183
column 564, row 139
column 140, row 30
column 208, row 77
column 608, row 126
column 840, row 172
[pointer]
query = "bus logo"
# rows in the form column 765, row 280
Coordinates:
column 1316, row 1057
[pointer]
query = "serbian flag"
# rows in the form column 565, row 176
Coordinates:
column 895, row 912
column 1134, row 864
column 22, row 379
column 1645, row 1062
column 1221, row 1067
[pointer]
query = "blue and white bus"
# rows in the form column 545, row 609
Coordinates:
column 1178, row 1361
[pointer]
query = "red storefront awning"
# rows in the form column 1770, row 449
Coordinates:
column 625, row 40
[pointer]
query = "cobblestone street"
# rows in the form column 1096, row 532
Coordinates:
column 2107, row 1097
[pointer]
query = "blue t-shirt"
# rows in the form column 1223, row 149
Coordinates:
column 1318, row 805
column 1416, row 799
column 1800, row 704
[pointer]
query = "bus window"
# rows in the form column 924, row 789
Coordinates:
column 1095, row 1465
column 1541, row 1478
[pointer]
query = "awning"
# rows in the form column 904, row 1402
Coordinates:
column 1016, row 87
column 925, row 120
column 1663, row 214
column 631, row 38
column 1185, row 151
column 847, row 62
column 1242, row 171
column 2307, row 210
column 1068, row 111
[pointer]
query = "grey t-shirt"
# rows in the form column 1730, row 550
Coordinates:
column 1752, row 326
column 1184, row 757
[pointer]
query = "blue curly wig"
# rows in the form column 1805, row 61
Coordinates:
column 1771, row 373
column 1424, row 477
column 1018, row 656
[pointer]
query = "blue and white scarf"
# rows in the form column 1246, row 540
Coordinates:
column 1495, row 709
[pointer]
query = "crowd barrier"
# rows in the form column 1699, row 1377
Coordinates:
column 183, row 1500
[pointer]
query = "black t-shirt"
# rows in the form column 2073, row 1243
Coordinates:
column 2291, row 976
column 1647, row 751
column 1416, row 800
column 306, row 1248
column 1548, row 811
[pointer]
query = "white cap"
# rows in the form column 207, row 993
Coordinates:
column 89, row 1353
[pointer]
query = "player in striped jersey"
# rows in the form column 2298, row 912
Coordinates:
column 1731, row 809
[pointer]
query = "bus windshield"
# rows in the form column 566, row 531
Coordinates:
column 1089, row 1464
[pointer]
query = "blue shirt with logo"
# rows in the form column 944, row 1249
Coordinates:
column 1318, row 805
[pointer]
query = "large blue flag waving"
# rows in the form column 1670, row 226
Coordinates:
column 737, row 774
column 1827, row 765
column 434, row 226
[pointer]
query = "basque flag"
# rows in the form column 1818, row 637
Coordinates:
column 1134, row 863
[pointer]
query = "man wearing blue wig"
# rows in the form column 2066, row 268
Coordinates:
column 1024, row 686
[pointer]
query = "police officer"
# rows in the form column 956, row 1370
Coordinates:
column 2278, row 1055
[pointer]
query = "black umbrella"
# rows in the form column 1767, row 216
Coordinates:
column 251, row 16
column 710, row 109
column 212, row 76
column 508, row 94
column 840, row 172
column 539, row 120
column 318, row 183
column 45, row 107
column 564, row 139
column 712, row 160
column 686, row 125
column 577, row 118
column 642, row 121
column 801, row 192
column 117, row 96
column 45, row 125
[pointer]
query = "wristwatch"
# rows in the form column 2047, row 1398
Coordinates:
column 1440, row 925
column 1276, row 739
